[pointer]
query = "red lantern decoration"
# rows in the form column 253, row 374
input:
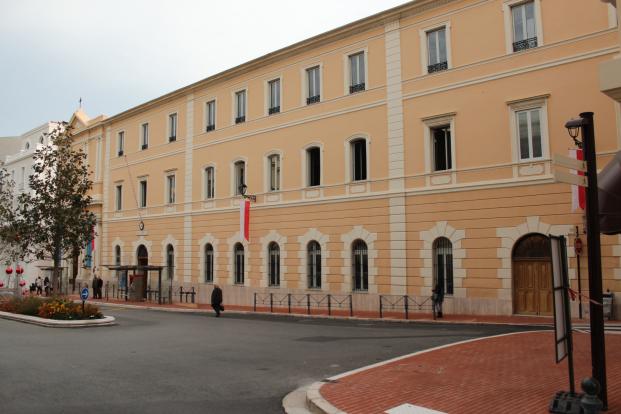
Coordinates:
column 19, row 270
column 22, row 283
column 9, row 270
column 1, row 284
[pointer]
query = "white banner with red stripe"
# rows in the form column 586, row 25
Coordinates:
column 578, row 193
column 244, row 219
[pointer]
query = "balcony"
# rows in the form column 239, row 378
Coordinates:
column 240, row 119
column 437, row 67
column 313, row 99
column 357, row 88
column 610, row 78
column 210, row 127
column 525, row 44
column 274, row 110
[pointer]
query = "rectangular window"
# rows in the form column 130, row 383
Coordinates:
column 143, row 193
column 119, row 197
column 121, row 143
column 170, row 189
column 240, row 176
column 172, row 127
column 441, row 144
column 524, row 26
column 313, row 161
column 210, row 182
column 359, row 159
column 529, row 133
column 313, row 93
column 274, row 96
column 436, row 50
column 240, row 107
column 144, row 136
column 357, row 79
column 210, row 111
column 274, row 168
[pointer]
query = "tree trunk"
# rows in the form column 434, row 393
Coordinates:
column 57, row 271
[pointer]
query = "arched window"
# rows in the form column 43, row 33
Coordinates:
column 208, row 263
column 360, row 265
column 239, row 264
column 273, row 251
column 358, row 159
column 533, row 246
column 170, row 261
column 314, row 265
column 443, row 265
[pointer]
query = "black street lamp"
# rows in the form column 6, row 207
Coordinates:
column 242, row 191
column 585, row 125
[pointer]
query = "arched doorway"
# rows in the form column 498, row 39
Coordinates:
column 139, row 280
column 532, row 276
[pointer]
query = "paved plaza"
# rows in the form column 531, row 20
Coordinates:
column 161, row 362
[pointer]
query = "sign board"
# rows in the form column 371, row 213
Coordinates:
column 567, row 162
column 84, row 293
column 560, row 297
column 564, row 177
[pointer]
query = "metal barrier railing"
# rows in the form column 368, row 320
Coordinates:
column 405, row 303
column 304, row 300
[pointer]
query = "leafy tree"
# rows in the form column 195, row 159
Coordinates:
column 54, row 217
column 13, row 247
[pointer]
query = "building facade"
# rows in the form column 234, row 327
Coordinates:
column 400, row 151
column 18, row 162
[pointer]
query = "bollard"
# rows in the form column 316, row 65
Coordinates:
column 180, row 294
column 193, row 294
column 271, row 303
column 329, row 306
column 590, row 403
column 405, row 298
column 255, row 301
column 308, row 303
column 351, row 306
column 289, row 301
column 381, row 316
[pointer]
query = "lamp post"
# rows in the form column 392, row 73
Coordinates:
column 585, row 125
column 242, row 191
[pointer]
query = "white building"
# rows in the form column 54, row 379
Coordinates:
column 17, row 155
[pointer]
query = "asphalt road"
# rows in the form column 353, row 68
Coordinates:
column 160, row 362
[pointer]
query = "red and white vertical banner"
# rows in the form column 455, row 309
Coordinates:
column 244, row 219
column 578, row 193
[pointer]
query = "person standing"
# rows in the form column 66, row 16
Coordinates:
column 94, row 285
column 437, row 298
column 39, row 285
column 99, row 286
column 46, row 285
column 216, row 300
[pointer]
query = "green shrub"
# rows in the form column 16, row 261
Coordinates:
column 30, row 305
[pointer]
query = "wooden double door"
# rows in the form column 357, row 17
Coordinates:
column 532, row 287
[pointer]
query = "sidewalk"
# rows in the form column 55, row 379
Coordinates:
column 513, row 373
column 336, row 313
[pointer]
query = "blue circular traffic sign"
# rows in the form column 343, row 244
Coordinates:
column 84, row 293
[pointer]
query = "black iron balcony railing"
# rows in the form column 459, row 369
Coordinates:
column 357, row 88
column 274, row 110
column 240, row 119
column 437, row 67
column 145, row 146
column 525, row 44
column 211, row 127
column 313, row 99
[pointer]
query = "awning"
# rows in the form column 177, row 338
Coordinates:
column 609, row 194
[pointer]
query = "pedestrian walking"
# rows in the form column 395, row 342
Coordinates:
column 216, row 300
column 94, row 285
column 437, row 298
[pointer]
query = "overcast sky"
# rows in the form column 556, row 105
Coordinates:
column 116, row 54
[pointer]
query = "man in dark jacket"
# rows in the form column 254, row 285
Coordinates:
column 99, row 286
column 216, row 300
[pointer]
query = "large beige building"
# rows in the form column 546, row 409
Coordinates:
column 402, row 150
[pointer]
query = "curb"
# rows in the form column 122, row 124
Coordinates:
column 315, row 403
column 53, row 323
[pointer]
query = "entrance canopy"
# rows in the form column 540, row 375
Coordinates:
column 609, row 194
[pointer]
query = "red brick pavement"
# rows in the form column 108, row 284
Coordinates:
column 506, row 374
